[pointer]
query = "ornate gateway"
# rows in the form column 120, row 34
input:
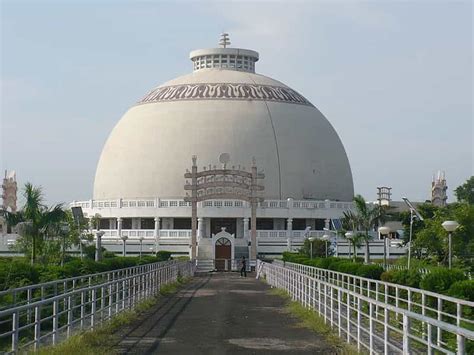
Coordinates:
column 214, row 184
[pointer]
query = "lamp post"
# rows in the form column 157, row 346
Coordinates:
column 141, row 244
column 384, row 230
column 326, row 239
column 98, row 245
column 64, row 231
column 311, row 240
column 349, row 236
column 450, row 227
column 124, row 238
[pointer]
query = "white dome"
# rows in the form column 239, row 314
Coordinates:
column 223, row 110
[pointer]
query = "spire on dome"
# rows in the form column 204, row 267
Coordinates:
column 225, row 40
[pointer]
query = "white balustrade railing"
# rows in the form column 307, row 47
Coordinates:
column 47, row 313
column 175, row 233
column 137, row 233
column 173, row 203
column 379, row 317
column 186, row 233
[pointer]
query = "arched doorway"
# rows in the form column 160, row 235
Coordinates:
column 223, row 254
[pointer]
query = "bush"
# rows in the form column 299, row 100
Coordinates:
column 439, row 280
column 369, row 271
column 409, row 278
column 17, row 273
column 163, row 255
column 462, row 289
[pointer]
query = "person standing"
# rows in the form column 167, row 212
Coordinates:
column 243, row 269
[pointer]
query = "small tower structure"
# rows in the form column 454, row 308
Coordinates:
column 384, row 195
column 439, row 190
column 9, row 187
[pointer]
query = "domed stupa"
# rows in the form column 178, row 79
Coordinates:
column 224, row 106
column 221, row 113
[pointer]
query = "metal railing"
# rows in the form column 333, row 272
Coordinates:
column 45, row 313
column 378, row 316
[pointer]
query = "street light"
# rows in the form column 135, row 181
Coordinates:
column 450, row 226
column 326, row 238
column 384, row 230
column 140, row 238
column 349, row 236
column 64, row 227
column 98, row 245
column 311, row 240
column 413, row 214
column 124, row 238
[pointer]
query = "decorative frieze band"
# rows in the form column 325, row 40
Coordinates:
column 224, row 91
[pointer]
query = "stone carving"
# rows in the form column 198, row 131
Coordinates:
column 224, row 91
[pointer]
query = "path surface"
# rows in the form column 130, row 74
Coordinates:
column 220, row 314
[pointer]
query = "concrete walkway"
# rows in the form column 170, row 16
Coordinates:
column 220, row 313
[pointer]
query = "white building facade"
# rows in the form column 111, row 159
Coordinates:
column 222, row 107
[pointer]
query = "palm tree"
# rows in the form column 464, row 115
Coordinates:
column 41, row 222
column 367, row 218
column 350, row 222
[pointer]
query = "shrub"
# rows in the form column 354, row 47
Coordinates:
column 462, row 289
column 163, row 255
column 370, row 271
column 18, row 273
column 439, row 280
column 409, row 278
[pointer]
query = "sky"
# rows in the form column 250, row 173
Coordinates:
column 394, row 78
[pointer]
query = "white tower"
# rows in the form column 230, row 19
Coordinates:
column 438, row 190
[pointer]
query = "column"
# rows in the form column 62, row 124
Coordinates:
column 246, row 228
column 327, row 223
column 289, row 232
column 200, row 228
column 119, row 227
column 289, row 227
column 157, row 233
column 98, row 245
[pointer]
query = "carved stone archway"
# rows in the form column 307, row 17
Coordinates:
column 216, row 184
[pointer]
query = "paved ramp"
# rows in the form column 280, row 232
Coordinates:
column 220, row 313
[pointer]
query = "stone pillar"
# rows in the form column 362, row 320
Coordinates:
column 246, row 228
column 388, row 243
column 289, row 232
column 119, row 227
column 157, row 233
column 253, row 232
column 200, row 228
column 98, row 245
column 289, row 227
column 124, row 239
column 327, row 223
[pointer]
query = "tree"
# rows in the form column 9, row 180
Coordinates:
column 364, row 219
column 430, row 239
column 465, row 192
column 350, row 222
column 42, row 223
column 319, row 248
